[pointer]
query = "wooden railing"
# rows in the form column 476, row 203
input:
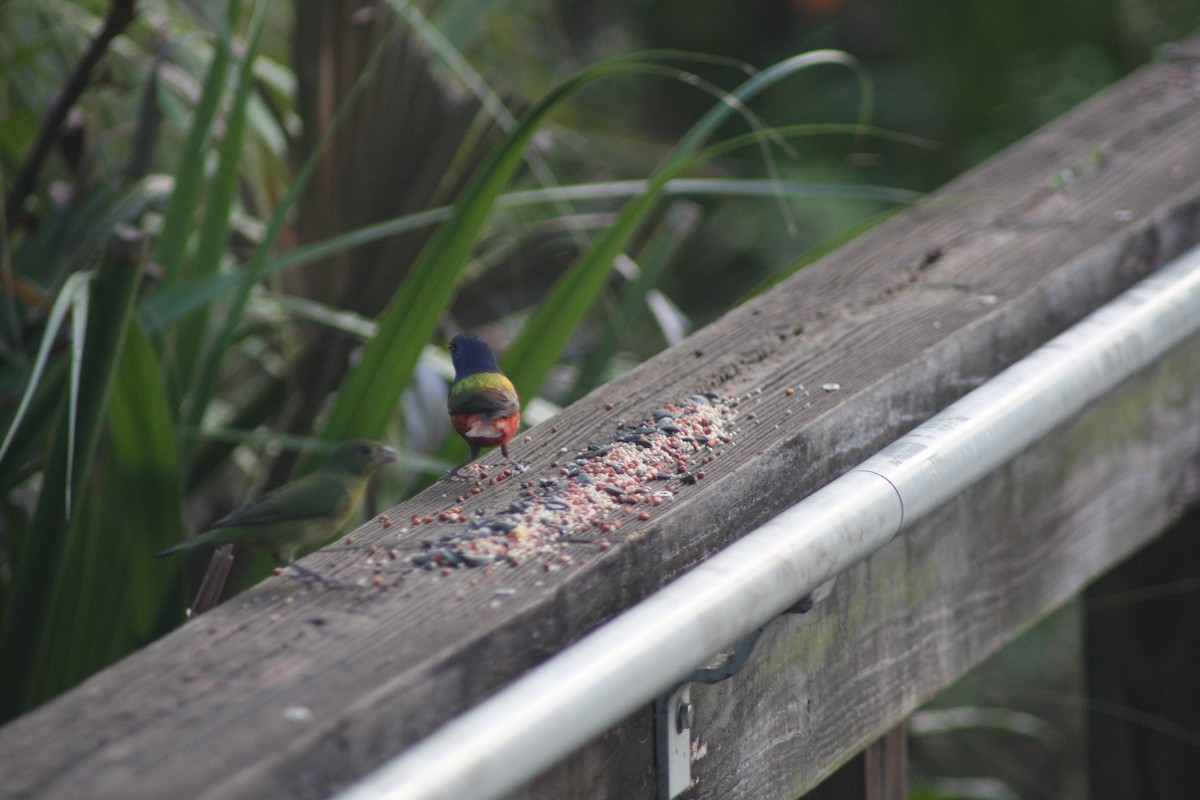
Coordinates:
column 288, row 691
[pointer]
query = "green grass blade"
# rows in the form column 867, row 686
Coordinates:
column 214, row 229
column 169, row 304
column 79, row 330
column 177, row 226
column 735, row 102
column 145, row 464
column 76, row 287
column 461, row 21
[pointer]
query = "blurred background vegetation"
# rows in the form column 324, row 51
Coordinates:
column 236, row 233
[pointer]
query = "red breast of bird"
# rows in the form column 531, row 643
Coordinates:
column 485, row 411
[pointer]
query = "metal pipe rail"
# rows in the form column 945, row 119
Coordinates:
column 557, row 707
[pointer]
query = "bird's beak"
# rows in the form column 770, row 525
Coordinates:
column 387, row 456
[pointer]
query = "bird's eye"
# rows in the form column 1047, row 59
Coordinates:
column 454, row 347
column 365, row 450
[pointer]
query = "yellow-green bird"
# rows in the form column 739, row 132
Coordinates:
column 301, row 514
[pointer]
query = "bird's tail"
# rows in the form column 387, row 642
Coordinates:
column 178, row 547
column 483, row 428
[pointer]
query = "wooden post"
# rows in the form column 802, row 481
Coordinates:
column 1142, row 651
column 887, row 766
column 849, row 782
column 878, row 773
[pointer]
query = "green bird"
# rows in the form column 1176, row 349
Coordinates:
column 301, row 514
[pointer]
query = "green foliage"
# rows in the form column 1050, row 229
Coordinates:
column 38, row 577
column 95, row 398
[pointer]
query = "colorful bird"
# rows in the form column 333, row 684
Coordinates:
column 304, row 513
column 483, row 403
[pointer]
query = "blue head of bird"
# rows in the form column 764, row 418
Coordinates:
column 471, row 356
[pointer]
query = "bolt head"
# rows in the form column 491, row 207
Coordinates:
column 683, row 717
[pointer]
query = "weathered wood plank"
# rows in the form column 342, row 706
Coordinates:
column 285, row 692
column 943, row 596
column 948, row 593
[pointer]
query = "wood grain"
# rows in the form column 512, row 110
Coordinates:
column 935, row 602
column 293, row 692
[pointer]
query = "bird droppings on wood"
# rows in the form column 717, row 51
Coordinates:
column 589, row 496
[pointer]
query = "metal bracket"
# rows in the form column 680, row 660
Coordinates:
column 673, row 722
column 673, row 741
column 673, row 709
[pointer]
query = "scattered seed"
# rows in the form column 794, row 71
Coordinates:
column 674, row 441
